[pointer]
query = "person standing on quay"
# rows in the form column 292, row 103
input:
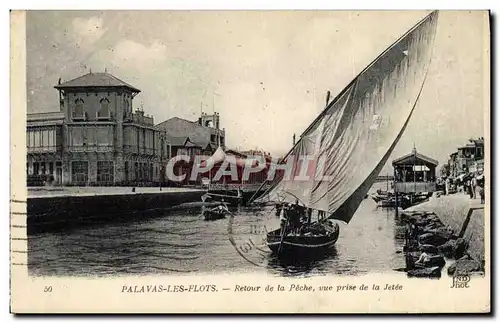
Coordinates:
column 468, row 187
column 474, row 186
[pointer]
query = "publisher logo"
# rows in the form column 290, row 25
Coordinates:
column 460, row 281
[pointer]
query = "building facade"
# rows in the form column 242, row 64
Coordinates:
column 468, row 158
column 96, row 138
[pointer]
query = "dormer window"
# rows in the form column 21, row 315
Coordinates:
column 78, row 112
column 103, row 112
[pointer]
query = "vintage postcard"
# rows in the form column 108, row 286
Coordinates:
column 250, row 161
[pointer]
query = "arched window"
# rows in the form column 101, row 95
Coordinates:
column 126, row 107
column 103, row 112
column 79, row 110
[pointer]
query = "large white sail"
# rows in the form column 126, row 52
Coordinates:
column 350, row 142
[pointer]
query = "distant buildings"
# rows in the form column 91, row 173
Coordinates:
column 467, row 159
column 184, row 146
column 256, row 152
column 205, row 133
column 95, row 138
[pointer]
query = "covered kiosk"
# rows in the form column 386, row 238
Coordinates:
column 414, row 173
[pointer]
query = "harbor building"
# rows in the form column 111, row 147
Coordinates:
column 95, row 139
column 414, row 173
column 204, row 133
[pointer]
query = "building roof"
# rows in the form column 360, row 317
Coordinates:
column 44, row 119
column 177, row 141
column 190, row 144
column 479, row 141
column 45, row 116
column 414, row 158
column 162, row 124
column 96, row 80
column 467, row 146
column 182, row 142
column 170, row 124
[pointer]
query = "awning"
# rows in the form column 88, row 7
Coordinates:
column 217, row 157
column 220, row 156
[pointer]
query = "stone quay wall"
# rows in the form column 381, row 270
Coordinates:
column 66, row 210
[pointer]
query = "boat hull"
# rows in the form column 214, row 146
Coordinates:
column 302, row 245
column 212, row 216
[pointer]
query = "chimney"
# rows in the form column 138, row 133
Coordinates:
column 294, row 139
column 327, row 97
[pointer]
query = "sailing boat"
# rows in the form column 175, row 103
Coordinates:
column 351, row 140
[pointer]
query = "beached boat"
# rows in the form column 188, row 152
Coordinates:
column 351, row 141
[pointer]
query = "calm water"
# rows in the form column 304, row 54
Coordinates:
column 180, row 241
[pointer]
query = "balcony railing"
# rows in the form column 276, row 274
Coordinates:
column 44, row 149
column 91, row 148
column 140, row 151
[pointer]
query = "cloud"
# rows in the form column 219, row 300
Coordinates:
column 129, row 52
column 88, row 30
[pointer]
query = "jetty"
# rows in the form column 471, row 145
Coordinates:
column 447, row 227
column 66, row 208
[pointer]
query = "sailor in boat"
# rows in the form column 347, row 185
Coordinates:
column 283, row 219
column 321, row 216
column 279, row 208
column 309, row 215
column 296, row 217
column 222, row 207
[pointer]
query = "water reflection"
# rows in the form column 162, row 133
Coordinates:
column 289, row 266
column 180, row 241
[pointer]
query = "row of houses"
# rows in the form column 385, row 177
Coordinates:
column 467, row 159
column 98, row 138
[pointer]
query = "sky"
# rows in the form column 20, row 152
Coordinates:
column 265, row 72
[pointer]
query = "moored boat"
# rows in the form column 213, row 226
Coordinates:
column 216, row 213
column 308, row 243
column 211, row 215
column 402, row 201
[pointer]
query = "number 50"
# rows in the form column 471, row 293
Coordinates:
column 47, row 289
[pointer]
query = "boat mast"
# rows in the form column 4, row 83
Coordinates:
column 296, row 142
column 328, row 106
